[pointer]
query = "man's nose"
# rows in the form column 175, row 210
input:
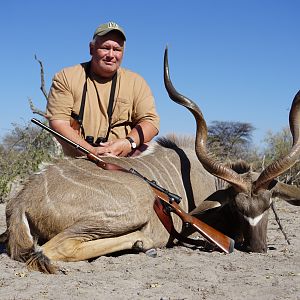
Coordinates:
column 110, row 52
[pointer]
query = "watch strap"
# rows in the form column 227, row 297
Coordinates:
column 132, row 142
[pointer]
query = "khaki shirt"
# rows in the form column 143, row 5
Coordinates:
column 133, row 102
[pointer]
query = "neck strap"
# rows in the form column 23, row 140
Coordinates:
column 79, row 117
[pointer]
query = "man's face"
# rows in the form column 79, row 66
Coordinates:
column 107, row 54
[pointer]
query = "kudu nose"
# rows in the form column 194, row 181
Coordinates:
column 257, row 247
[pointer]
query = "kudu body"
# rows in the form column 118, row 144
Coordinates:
column 77, row 211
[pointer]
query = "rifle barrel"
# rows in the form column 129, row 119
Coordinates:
column 82, row 149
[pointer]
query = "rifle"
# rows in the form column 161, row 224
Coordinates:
column 165, row 201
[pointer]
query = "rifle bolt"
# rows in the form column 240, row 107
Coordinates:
column 186, row 224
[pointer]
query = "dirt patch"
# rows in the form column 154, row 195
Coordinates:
column 177, row 273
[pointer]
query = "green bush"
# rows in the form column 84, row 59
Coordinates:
column 21, row 153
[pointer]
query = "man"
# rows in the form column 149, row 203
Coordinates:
column 101, row 106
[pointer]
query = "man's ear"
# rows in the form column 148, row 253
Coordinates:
column 92, row 47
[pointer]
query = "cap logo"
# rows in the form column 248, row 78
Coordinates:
column 112, row 25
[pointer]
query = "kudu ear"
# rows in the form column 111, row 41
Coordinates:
column 287, row 192
column 216, row 200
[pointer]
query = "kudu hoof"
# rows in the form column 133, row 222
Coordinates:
column 139, row 246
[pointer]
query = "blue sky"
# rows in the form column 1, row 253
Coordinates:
column 238, row 60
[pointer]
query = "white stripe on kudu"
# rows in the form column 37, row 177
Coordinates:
column 253, row 221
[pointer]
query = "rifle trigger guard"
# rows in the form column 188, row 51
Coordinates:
column 167, row 209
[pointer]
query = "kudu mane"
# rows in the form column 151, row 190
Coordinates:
column 174, row 142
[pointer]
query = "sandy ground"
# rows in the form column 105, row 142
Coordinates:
column 177, row 273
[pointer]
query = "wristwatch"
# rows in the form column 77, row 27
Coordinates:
column 132, row 142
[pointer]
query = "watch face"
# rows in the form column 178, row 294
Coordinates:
column 132, row 143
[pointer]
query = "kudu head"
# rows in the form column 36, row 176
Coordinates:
column 249, row 194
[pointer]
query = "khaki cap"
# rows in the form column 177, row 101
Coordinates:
column 107, row 27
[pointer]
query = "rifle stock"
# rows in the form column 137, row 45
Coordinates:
column 214, row 236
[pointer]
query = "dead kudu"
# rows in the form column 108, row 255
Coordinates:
column 77, row 211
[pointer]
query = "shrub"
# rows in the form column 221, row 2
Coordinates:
column 22, row 151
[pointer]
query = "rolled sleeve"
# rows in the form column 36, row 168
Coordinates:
column 60, row 99
column 144, row 104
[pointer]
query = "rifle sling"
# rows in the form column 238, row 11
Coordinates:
column 163, row 213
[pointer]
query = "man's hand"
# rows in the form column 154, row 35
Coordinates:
column 64, row 128
column 119, row 147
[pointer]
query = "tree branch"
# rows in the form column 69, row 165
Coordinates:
column 43, row 89
column 35, row 110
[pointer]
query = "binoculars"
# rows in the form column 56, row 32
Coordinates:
column 90, row 140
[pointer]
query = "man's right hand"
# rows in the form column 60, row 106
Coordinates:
column 65, row 129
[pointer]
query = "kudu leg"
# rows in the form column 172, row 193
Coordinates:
column 65, row 248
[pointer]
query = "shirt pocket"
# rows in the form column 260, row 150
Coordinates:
column 122, row 111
